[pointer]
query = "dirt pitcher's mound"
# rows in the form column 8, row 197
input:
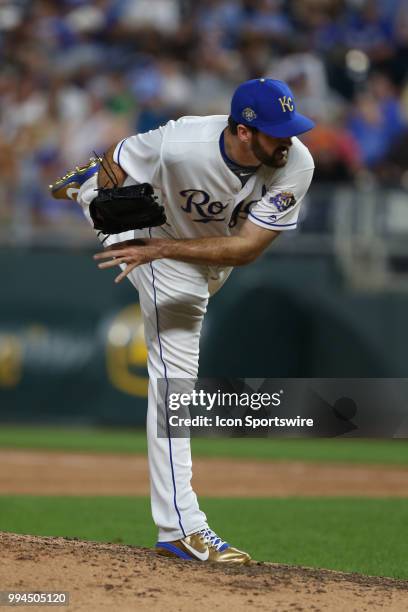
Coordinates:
column 112, row 577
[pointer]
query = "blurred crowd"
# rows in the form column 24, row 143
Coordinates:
column 78, row 75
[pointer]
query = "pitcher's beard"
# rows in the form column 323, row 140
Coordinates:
column 278, row 159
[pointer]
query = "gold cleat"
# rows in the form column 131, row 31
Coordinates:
column 67, row 187
column 204, row 545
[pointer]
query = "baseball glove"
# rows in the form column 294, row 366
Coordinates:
column 121, row 209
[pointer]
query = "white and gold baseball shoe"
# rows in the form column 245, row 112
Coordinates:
column 67, row 187
column 204, row 545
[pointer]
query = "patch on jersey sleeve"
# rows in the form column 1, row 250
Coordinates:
column 283, row 201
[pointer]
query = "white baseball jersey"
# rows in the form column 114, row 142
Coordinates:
column 201, row 194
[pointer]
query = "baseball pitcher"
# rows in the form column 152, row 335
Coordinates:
column 177, row 208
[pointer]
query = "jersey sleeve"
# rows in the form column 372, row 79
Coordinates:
column 139, row 156
column 279, row 208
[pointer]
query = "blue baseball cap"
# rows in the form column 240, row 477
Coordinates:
column 269, row 106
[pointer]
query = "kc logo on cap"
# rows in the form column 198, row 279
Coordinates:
column 287, row 104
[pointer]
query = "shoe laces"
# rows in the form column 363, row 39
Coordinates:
column 211, row 538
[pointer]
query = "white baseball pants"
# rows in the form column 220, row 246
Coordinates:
column 173, row 297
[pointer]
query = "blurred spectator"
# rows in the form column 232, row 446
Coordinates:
column 158, row 14
column 306, row 75
column 100, row 128
column 376, row 119
column 336, row 152
column 267, row 17
column 392, row 171
column 368, row 29
column 338, row 161
column 220, row 18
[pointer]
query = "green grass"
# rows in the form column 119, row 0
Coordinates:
column 134, row 441
column 348, row 534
